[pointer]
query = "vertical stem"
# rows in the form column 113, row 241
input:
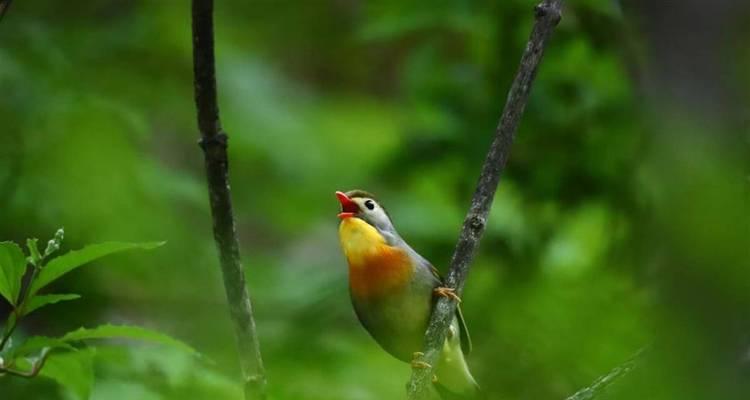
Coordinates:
column 548, row 14
column 12, row 322
column 18, row 308
column 214, row 144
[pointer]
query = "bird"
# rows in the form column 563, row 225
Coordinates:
column 393, row 289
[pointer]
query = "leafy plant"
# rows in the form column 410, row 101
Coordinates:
column 59, row 358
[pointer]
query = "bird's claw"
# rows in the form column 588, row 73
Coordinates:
column 420, row 364
column 415, row 363
column 447, row 292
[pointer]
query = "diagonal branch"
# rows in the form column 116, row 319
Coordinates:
column 214, row 144
column 548, row 14
column 604, row 381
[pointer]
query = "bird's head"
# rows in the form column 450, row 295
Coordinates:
column 362, row 205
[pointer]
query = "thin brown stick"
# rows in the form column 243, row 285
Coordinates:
column 214, row 144
column 548, row 14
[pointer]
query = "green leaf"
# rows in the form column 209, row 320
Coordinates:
column 12, row 268
column 37, row 343
column 63, row 264
column 125, row 332
column 72, row 370
column 121, row 389
column 34, row 256
column 39, row 301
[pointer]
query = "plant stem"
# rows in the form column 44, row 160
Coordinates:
column 9, row 328
column 604, row 381
column 36, row 367
column 548, row 14
column 18, row 309
column 214, row 144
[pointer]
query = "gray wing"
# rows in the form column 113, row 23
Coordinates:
column 466, row 345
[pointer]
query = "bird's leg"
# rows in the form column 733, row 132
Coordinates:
column 415, row 363
column 447, row 292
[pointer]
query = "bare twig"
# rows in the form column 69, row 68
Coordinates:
column 548, row 14
column 214, row 144
column 603, row 382
column 4, row 6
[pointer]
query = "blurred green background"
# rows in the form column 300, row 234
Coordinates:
column 621, row 222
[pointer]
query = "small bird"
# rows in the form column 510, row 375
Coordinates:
column 393, row 289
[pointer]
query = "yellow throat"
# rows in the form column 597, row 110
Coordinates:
column 374, row 266
column 359, row 240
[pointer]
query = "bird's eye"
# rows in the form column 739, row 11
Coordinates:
column 370, row 204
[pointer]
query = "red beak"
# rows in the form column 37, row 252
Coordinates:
column 348, row 207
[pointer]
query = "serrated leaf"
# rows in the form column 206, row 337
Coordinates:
column 72, row 370
column 61, row 265
column 35, row 344
column 12, row 269
column 126, row 332
column 42, row 300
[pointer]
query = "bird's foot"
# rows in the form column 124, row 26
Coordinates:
column 447, row 292
column 420, row 364
column 415, row 363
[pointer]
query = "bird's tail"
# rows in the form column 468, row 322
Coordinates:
column 446, row 394
column 454, row 380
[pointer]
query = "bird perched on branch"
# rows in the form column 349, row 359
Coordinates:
column 393, row 288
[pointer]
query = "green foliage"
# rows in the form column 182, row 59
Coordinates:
column 601, row 238
column 61, row 265
column 58, row 358
column 125, row 332
column 34, row 257
column 34, row 344
column 40, row 300
column 12, row 268
column 73, row 370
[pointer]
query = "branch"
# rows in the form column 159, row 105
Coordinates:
column 548, row 14
column 4, row 6
column 214, row 144
column 603, row 382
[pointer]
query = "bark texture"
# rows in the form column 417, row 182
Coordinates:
column 214, row 144
column 548, row 14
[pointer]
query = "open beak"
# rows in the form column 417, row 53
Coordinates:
column 348, row 207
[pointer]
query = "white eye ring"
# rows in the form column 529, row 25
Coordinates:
column 370, row 204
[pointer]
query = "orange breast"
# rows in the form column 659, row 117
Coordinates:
column 386, row 268
column 375, row 267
